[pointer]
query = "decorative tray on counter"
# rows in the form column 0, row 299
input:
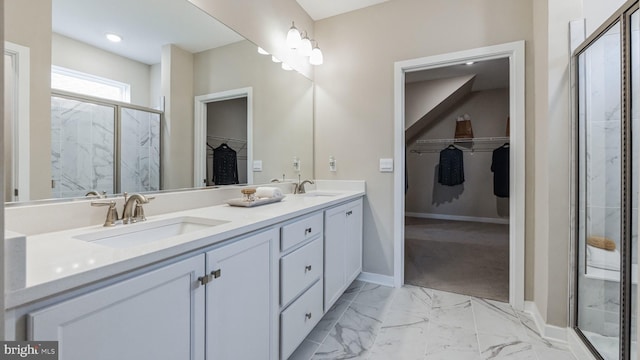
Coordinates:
column 262, row 201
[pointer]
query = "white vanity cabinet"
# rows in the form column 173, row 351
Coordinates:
column 219, row 305
column 342, row 249
column 242, row 299
column 157, row 315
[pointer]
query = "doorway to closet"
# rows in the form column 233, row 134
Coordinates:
column 486, row 139
column 457, row 174
column 223, row 134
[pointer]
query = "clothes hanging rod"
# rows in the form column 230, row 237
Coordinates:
column 434, row 151
column 472, row 140
column 221, row 138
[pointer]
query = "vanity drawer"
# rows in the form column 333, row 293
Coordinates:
column 297, row 321
column 300, row 269
column 301, row 230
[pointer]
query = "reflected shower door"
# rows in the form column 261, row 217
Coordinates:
column 139, row 151
column 82, row 147
column 600, row 211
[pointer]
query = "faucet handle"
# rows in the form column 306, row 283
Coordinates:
column 112, row 212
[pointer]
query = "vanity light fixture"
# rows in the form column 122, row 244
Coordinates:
column 286, row 67
column 262, row 51
column 113, row 37
column 293, row 37
column 275, row 59
column 316, row 57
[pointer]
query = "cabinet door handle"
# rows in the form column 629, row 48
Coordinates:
column 307, row 268
column 308, row 316
column 307, row 231
column 216, row 273
column 349, row 212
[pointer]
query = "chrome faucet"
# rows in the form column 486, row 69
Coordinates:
column 133, row 210
column 299, row 188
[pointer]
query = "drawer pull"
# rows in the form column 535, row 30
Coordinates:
column 307, row 231
column 307, row 268
column 349, row 212
column 308, row 316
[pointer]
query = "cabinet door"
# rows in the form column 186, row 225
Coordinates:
column 242, row 301
column 353, row 216
column 334, row 255
column 157, row 315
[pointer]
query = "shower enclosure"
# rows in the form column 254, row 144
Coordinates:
column 607, row 91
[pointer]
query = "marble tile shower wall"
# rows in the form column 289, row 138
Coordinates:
column 82, row 150
column 140, row 151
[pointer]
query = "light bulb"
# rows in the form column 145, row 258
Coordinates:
column 262, row 51
column 316, row 57
column 305, row 47
column 293, row 37
column 113, row 37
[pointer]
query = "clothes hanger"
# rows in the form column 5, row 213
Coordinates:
column 505, row 145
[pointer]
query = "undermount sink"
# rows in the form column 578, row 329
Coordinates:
column 320, row 193
column 146, row 232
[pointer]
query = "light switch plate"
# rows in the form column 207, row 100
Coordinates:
column 386, row 165
column 257, row 165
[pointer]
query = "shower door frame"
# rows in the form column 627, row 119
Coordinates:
column 622, row 17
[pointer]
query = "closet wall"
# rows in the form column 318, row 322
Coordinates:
column 474, row 198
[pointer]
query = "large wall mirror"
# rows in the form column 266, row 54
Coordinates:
column 153, row 109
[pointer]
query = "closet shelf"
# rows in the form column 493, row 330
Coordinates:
column 477, row 140
column 479, row 144
column 236, row 144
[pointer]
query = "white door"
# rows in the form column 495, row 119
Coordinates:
column 157, row 315
column 242, row 299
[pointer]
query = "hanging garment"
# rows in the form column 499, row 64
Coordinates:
column 450, row 168
column 500, row 168
column 225, row 165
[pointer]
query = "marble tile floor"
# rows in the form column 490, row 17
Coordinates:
column 381, row 323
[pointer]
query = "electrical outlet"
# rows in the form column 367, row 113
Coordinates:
column 332, row 164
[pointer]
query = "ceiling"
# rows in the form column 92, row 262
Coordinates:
column 320, row 9
column 144, row 25
column 490, row 74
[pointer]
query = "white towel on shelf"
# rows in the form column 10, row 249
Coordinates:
column 268, row 192
column 603, row 259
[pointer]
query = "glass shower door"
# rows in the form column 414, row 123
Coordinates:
column 600, row 208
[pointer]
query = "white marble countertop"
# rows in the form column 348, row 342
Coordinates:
column 57, row 261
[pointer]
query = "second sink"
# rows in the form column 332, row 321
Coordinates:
column 144, row 233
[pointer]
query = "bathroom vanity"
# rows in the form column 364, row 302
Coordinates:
column 214, row 282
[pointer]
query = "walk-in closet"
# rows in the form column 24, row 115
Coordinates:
column 227, row 142
column 457, row 179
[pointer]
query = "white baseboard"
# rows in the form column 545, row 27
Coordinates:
column 565, row 336
column 376, row 278
column 457, row 218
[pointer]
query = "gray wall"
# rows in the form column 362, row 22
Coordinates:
column 474, row 198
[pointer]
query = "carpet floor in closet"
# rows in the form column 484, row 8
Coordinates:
column 462, row 257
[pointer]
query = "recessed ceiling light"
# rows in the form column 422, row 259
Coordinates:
column 470, row 62
column 113, row 37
